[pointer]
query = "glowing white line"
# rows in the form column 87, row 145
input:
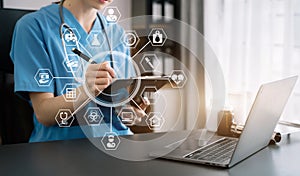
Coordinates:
column 63, row 77
column 111, row 119
column 140, row 50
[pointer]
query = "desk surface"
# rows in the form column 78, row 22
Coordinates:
column 80, row 157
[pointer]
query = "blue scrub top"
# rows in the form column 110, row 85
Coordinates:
column 37, row 45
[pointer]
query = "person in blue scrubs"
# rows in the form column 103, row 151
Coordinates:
column 42, row 52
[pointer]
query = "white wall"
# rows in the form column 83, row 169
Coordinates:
column 124, row 6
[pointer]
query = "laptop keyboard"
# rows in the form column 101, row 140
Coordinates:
column 219, row 151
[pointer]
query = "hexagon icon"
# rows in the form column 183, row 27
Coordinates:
column 150, row 93
column 130, row 38
column 93, row 116
column 110, row 141
column 43, row 77
column 157, row 37
column 72, row 63
column 64, row 118
column 71, row 37
column 112, row 14
column 70, row 92
column 155, row 120
column 178, row 79
column 150, row 62
column 95, row 39
column 127, row 115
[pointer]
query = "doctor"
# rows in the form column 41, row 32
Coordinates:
column 39, row 43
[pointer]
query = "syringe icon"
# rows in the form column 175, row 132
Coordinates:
column 148, row 61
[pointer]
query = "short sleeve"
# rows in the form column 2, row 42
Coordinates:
column 30, row 57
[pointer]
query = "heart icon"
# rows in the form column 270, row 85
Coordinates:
column 177, row 78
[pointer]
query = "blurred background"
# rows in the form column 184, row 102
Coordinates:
column 255, row 41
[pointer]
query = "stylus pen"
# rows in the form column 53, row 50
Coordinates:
column 83, row 56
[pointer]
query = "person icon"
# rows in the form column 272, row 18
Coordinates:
column 111, row 143
column 111, row 17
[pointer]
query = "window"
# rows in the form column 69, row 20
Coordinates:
column 256, row 42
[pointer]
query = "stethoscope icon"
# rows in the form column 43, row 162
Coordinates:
column 64, row 118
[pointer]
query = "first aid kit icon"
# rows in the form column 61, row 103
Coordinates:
column 157, row 37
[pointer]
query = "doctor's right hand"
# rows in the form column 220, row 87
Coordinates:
column 98, row 77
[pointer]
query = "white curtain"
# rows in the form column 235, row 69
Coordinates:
column 256, row 41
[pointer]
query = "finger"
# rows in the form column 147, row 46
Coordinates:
column 137, row 120
column 99, row 80
column 96, row 89
column 94, row 67
column 103, row 81
column 139, row 112
column 145, row 103
column 105, row 66
column 98, row 84
column 98, row 74
column 100, row 88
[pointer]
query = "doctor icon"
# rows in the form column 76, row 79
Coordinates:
column 111, row 143
column 111, row 17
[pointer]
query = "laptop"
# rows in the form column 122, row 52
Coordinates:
column 262, row 119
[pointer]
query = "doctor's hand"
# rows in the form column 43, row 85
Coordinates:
column 98, row 77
